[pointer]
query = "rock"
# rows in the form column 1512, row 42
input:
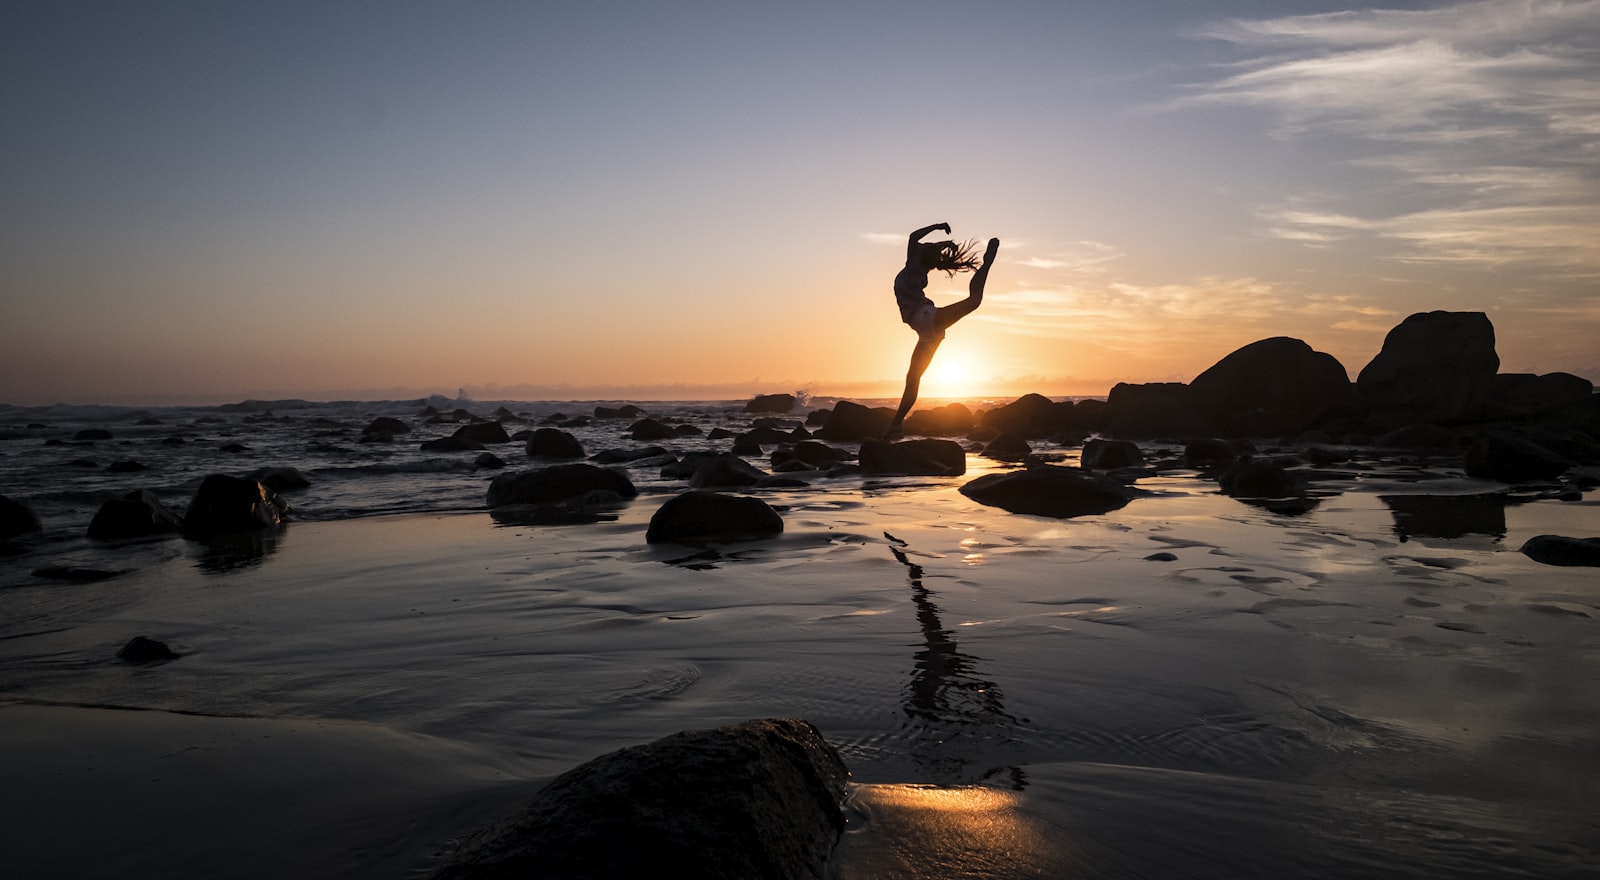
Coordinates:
column 770, row 403
column 144, row 650
column 1562, row 550
column 451, row 444
column 1256, row 478
column 619, row 456
column 1007, row 447
column 17, row 519
column 697, row 517
column 386, row 425
column 279, row 479
column 724, row 470
column 626, row 411
column 753, row 800
column 767, row 435
column 488, row 461
column 225, row 504
column 688, row 430
column 818, row 417
column 91, row 434
column 811, row 453
column 1512, row 459
column 578, row 422
column 1433, row 366
column 650, row 429
column 482, row 432
column 1031, row 416
column 1050, row 490
column 126, row 466
column 720, row 434
column 134, row 515
column 927, row 457
column 850, row 421
column 554, row 443
column 1149, row 411
column 744, row 444
column 1271, row 388
column 1525, row 391
column 1207, row 453
column 1110, row 455
column 555, row 484
column 950, row 420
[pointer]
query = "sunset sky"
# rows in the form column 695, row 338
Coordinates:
column 202, row 202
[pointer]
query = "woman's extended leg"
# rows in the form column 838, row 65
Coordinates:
column 954, row 312
column 921, row 357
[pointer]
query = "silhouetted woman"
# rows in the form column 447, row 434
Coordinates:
column 917, row 310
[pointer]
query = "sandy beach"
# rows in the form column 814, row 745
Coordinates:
column 1191, row 684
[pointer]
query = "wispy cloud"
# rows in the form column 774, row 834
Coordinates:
column 1485, row 116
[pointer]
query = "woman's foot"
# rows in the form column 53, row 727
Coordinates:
column 991, row 250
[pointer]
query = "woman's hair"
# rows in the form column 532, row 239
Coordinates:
column 950, row 257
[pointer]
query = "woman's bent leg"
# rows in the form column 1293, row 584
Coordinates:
column 954, row 312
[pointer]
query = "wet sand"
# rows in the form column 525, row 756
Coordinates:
column 1190, row 685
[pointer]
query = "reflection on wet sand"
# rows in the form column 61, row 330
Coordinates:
column 948, row 696
column 221, row 554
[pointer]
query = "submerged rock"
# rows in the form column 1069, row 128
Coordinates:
column 1562, row 550
column 698, row 517
column 134, row 515
column 753, row 800
column 555, row 484
column 1050, row 490
column 140, row 649
column 17, row 519
column 229, row 504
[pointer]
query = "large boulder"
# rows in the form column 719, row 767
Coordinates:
column 1149, row 411
column 724, row 470
column 1562, row 550
column 950, row 420
column 225, row 504
column 16, row 519
column 1031, row 416
column 851, row 421
column 1512, row 459
column 753, row 800
column 553, row 443
column 770, row 403
column 1050, row 490
column 698, row 517
column 927, row 457
column 1274, row 387
column 557, row 484
column 134, row 515
column 1433, row 366
column 482, row 432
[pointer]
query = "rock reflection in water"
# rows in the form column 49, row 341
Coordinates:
column 221, row 554
column 1448, row 516
column 948, row 696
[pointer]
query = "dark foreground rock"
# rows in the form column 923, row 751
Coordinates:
column 140, row 649
column 1050, row 490
column 557, row 484
column 134, row 515
column 1562, row 550
column 226, row 504
column 16, row 519
column 927, row 457
column 698, row 517
column 753, row 800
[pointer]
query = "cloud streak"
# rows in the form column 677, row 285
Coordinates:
column 1485, row 114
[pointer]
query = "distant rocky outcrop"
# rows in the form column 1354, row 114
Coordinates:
column 770, row 403
column 554, row 443
column 557, row 484
column 699, row 517
column 926, row 457
column 1433, row 366
column 16, row 519
column 134, row 515
column 1050, row 490
column 754, row 800
column 226, row 504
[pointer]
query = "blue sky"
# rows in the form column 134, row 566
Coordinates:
column 203, row 202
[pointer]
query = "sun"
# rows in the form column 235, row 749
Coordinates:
column 950, row 378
